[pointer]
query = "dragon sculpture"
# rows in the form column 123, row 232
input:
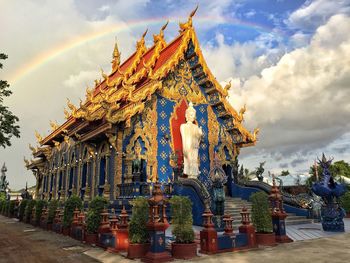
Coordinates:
column 332, row 213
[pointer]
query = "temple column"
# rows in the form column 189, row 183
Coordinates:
column 107, row 186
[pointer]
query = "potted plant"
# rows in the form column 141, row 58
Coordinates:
column 138, row 234
column 22, row 208
column 53, row 205
column 93, row 218
column 40, row 204
column 184, row 246
column 28, row 210
column 69, row 206
column 261, row 218
column 345, row 203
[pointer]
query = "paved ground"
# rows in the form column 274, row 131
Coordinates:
column 312, row 231
column 23, row 243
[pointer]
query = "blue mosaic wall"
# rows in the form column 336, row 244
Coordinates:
column 165, row 108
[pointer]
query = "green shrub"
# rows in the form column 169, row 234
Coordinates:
column 7, row 206
column 138, row 224
column 2, row 204
column 3, row 196
column 53, row 205
column 38, row 209
column 181, row 214
column 12, row 206
column 93, row 221
column 345, row 201
column 69, row 206
column 22, row 208
column 28, row 210
column 94, row 218
column 261, row 216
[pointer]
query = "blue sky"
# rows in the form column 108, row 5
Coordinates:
column 288, row 61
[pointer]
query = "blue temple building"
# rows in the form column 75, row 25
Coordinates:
column 125, row 135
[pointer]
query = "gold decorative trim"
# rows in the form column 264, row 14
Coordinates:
column 213, row 134
column 124, row 114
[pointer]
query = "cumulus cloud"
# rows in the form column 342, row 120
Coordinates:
column 315, row 13
column 41, row 95
column 302, row 103
column 241, row 59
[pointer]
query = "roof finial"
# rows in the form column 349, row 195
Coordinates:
column 66, row 113
column 38, row 137
column 160, row 37
column 54, row 125
column 188, row 25
column 116, row 57
column 140, row 45
column 145, row 33
column 71, row 106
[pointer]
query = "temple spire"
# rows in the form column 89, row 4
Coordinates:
column 160, row 37
column 116, row 57
column 188, row 24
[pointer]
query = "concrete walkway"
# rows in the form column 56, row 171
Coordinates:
column 23, row 243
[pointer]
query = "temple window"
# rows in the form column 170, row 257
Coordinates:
column 103, row 166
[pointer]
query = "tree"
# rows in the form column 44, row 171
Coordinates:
column 285, row 173
column 8, row 121
column 337, row 169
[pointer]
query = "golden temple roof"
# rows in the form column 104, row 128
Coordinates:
column 122, row 93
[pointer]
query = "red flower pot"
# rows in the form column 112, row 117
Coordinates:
column 266, row 239
column 49, row 226
column 184, row 251
column 137, row 250
column 91, row 238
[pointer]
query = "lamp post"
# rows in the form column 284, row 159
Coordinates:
column 156, row 225
column 278, row 214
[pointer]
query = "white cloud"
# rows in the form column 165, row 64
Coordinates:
column 37, row 30
column 302, row 103
column 241, row 60
column 315, row 13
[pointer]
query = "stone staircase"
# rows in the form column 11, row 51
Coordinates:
column 233, row 207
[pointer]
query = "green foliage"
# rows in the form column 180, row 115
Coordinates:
column 93, row 221
column 181, row 214
column 285, row 173
column 5, row 209
column 337, row 169
column 94, row 218
column 2, row 204
column 38, row 209
column 28, row 210
column 12, row 206
column 98, row 204
column 345, row 201
column 261, row 216
column 53, row 205
column 8, row 121
column 69, row 206
column 138, row 223
column 22, row 208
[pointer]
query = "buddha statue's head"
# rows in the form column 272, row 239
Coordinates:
column 190, row 113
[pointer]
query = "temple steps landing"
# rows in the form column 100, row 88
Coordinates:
column 233, row 207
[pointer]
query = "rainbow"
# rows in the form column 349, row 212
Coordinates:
column 59, row 50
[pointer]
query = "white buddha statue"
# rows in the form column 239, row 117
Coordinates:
column 191, row 136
